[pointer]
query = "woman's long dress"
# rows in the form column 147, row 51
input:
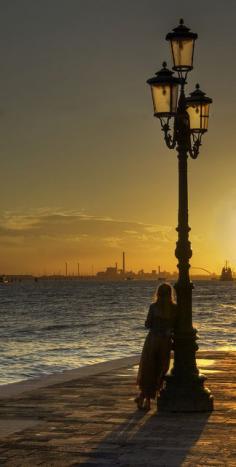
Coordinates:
column 155, row 357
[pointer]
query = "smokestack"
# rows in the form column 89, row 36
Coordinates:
column 66, row 268
column 159, row 270
column 123, row 262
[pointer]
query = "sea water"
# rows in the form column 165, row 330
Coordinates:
column 55, row 325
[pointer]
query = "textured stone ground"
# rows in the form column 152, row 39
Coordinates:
column 93, row 421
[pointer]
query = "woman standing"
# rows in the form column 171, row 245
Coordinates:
column 155, row 358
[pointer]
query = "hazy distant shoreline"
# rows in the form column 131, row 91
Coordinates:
column 147, row 277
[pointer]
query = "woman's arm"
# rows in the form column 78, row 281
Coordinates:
column 174, row 318
column 148, row 322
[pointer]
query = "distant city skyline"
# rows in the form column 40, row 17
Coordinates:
column 71, row 268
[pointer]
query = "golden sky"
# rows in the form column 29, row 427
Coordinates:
column 85, row 173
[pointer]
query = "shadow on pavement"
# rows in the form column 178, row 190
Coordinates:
column 159, row 439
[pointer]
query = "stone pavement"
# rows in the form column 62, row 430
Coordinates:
column 93, row 421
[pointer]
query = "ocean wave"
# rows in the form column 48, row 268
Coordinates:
column 61, row 326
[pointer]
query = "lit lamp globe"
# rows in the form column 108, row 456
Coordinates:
column 198, row 105
column 164, row 89
column 182, row 42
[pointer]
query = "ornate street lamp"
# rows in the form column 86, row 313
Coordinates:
column 184, row 389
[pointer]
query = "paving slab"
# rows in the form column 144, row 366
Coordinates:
column 91, row 420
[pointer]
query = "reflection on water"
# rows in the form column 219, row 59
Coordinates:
column 51, row 326
column 203, row 362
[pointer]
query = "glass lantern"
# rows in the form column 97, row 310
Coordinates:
column 198, row 105
column 182, row 42
column 164, row 88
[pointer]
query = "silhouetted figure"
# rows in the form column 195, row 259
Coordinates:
column 155, row 358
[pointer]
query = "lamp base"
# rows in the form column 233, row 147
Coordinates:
column 180, row 395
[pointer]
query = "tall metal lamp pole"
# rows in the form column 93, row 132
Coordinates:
column 184, row 389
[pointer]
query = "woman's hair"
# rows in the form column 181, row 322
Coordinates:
column 164, row 293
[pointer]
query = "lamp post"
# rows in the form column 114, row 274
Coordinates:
column 184, row 389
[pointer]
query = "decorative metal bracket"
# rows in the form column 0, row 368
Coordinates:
column 171, row 138
column 195, row 145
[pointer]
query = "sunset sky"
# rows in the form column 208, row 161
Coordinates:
column 85, row 173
